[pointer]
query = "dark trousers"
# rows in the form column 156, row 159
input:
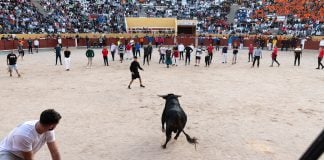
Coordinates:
column 134, row 52
column 36, row 48
column 274, row 59
column 297, row 58
column 113, row 55
column 162, row 58
column 256, row 58
column 105, row 60
column 250, row 57
column 121, row 55
column 187, row 59
column 138, row 52
column 58, row 56
column 150, row 55
column 320, row 63
column 217, row 48
column 100, row 45
column 156, row 44
column 88, row 45
column 142, row 43
column 146, row 57
column 210, row 57
column 181, row 55
column 207, row 60
column 30, row 49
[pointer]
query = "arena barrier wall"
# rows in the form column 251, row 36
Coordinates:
column 51, row 43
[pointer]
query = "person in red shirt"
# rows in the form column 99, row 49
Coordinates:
column 251, row 48
column 105, row 56
column 128, row 51
column 210, row 52
column 175, row 55
column 320, row 58
column 274, row 56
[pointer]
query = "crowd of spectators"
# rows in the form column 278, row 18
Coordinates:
column 108, row 16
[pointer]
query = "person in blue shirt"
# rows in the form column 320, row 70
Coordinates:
column 137, row 49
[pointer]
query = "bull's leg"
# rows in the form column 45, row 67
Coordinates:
column 163, row 121
column 168, row 137
column 177, row 135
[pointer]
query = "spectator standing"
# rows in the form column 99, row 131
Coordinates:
column 181, row 50
column 257, row 56
column 30, row 46
column 298, row 54
column 67, row 58
column 36, row 44
column 90, row 54
column 105, row 56
column 58, row 54
column 113, row 49
column 12, row 64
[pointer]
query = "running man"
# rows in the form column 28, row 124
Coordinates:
column 113, row 48
column 135, row 74
column 274, row 56
column 210, row 49
column 121, row 52
column 12, row 64
column 320, row 58
column 251, row 49
column 27, row 138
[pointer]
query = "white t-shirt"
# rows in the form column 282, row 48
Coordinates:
column 24, row 138
column 181, row 48
column 36, row 43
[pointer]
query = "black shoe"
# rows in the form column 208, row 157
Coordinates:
column 316, row 68
column 129, row 87
column 142, row 86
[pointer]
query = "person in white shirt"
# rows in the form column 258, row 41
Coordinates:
column 27, row 138
column 181, row 50
column 36, row 44
column 113, row 48
column 59, row 41
column 199, row 53
column 302, row 42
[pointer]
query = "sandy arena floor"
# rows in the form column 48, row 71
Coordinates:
column 236, row 112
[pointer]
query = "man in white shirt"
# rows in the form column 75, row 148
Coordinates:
column 181, row 50
column 36, row 45
column 27, row 138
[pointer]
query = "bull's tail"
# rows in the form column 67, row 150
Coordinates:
column 192, row 140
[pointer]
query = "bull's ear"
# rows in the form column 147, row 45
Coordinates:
column 163, row 96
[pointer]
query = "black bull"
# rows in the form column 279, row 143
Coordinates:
column 175, row 119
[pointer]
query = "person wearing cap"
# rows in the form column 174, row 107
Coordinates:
column 135, row 74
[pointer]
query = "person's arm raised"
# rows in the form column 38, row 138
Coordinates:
column 54, row 151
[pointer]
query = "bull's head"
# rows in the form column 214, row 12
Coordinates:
column 170, row 95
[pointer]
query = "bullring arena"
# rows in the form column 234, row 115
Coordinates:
column 236, row 112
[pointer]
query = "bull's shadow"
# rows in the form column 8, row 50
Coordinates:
column 175, row 119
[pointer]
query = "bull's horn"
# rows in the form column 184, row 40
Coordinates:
column 177, row 95
column 161, row 95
